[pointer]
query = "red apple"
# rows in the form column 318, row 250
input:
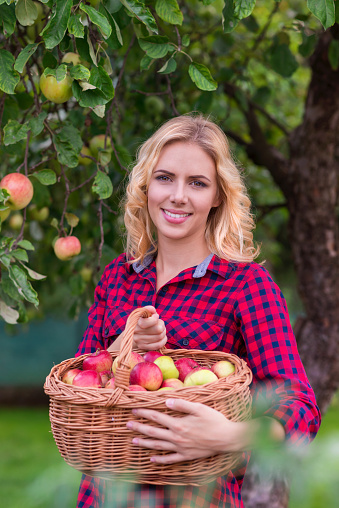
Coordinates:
column 105, row 376
column 172, row 383
column 100, row 361
column 136, row 388
column 150, row 356
column 223, row 368
column 67, row 247
column 200, row 376
column 88, row 378
column 110, row 383
column 146, row 374
column 167, row 367
column 20, row 189
column 70, row 375
column 135, row 358
column 184, row 366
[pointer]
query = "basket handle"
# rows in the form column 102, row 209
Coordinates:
column 123, row 359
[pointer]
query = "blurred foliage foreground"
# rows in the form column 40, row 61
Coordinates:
column 83, row 83
column 33, row 474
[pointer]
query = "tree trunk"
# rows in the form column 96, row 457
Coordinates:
column 311, row 190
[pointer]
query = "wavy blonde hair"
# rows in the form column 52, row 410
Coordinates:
column 229, row 226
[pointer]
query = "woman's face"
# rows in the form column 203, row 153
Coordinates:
column 182, row 191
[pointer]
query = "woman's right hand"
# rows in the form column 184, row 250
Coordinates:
column 150, row 333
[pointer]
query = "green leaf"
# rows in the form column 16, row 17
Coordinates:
column 98, row 19
column 68, row 143
column 91, row 49
column 60, row 72
column 333, row 54
column 23, row 56
column 14, row 132
column 36, row 124
column 324, row 10
column 185, row 41
column 10, row 288
column 80, row 72
column 5, row 259
column 7, row 15
column 9, row 78
column 72, row 219
column 104, row 157
column 75, row 27
column 54, row 31
column 24, row 287
column 33, row 274
column 170, row 66
column 202, row 78
column 243, row 8
column 101, row 80
column 45, row 176
column 142, row 13
column 169, row 11
column 8, row 314
column 102, row 185
column 25, row 244
column 229, row 19
column 146, row 62
column 26, row 12
column 282, row 60
column 308, row 44
column 155, row 46
column 77, row 284
column 20, row 254
column 115, row 39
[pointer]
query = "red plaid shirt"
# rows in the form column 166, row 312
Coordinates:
column 217, row 305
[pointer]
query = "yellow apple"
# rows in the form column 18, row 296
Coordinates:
column 167, row 367
column 56, row 92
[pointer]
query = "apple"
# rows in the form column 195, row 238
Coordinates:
column 54, row 91
column 84, row 160
column 15, row 221
column 70, row 57
column 184, row 366
column 172, row 383
column 136, row 388
column 38, row 214
column 99, row 361
column 167, row 367
column 165, row 388
column 70, row 375
column 4, row 214
column 105, row 376
column 150, row 356
column 110, row 383
column 20, row 189
column 154, row 105
column 89, row 378
column 200, row 376
column 146, row 374
column 223, row 368
column 98, row 143
column 34, row 30
column 86, row 273
column 67, row 247
column 135, row 358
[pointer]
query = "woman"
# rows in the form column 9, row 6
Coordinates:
column 189, row 259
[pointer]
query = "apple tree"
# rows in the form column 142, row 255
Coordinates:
column 83, row 83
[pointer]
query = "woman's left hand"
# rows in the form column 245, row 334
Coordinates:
column 202, row 432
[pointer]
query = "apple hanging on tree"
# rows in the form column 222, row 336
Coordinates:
column 67, row 247
column 19, row 188
column 56, row 91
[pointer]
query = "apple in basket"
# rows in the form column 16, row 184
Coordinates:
column 172, row 383
column 184, row 366
column 136, row 388
column 223, row 368
column 146, row 374
column 135, row 358
column 167, row 367
column 70, row 375
column 105, row 376
column 150, row 356
column 99, row 361
column 200, row 376
column 110, row 383
column 88, row 378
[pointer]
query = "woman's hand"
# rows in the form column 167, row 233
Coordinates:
column 150, row 333
column 202, row 432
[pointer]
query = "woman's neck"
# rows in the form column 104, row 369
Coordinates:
column 174, row 260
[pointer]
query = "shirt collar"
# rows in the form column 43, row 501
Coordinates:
column 213, row 262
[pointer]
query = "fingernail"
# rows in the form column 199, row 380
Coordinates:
column 135, row 440
column 135, row 411
column 129, row 425
column 152, row 459
column 170, row 402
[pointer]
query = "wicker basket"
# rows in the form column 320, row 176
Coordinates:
column 89, row 424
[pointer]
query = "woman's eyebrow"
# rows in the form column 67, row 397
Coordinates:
column 172, row 174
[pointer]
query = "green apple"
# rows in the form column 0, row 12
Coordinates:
column 70, row 57
column 167, row 367
column 15, row 221
column 38, row 214
column 54, row 91
column 4, row 214
column 98, row 143
column 84, row 161
column 200, row 376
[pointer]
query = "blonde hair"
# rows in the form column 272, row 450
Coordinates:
column 229, row 226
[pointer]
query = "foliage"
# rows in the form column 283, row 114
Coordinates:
column 139, row 63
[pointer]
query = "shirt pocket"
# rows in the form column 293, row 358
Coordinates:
column 193, row 334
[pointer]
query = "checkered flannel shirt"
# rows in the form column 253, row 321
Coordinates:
column 217, row 305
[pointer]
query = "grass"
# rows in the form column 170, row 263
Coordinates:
column 33, row 474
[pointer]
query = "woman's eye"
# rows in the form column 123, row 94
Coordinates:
column 197, row 183
column 162, row 178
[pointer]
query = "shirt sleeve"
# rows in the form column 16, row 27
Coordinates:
column 280, row 386
column 93, row 337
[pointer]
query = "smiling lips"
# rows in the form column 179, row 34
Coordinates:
column 175, row 217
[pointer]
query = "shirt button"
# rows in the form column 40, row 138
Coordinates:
column 106, row 331
column 185, row 342
column 165, row 289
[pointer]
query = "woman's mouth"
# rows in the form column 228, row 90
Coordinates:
column 176, row 218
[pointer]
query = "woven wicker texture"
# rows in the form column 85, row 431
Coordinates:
column 89, row 424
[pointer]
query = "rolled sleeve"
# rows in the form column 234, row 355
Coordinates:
column 280, row 386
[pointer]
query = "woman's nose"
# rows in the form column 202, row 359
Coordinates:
column 179, row 194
